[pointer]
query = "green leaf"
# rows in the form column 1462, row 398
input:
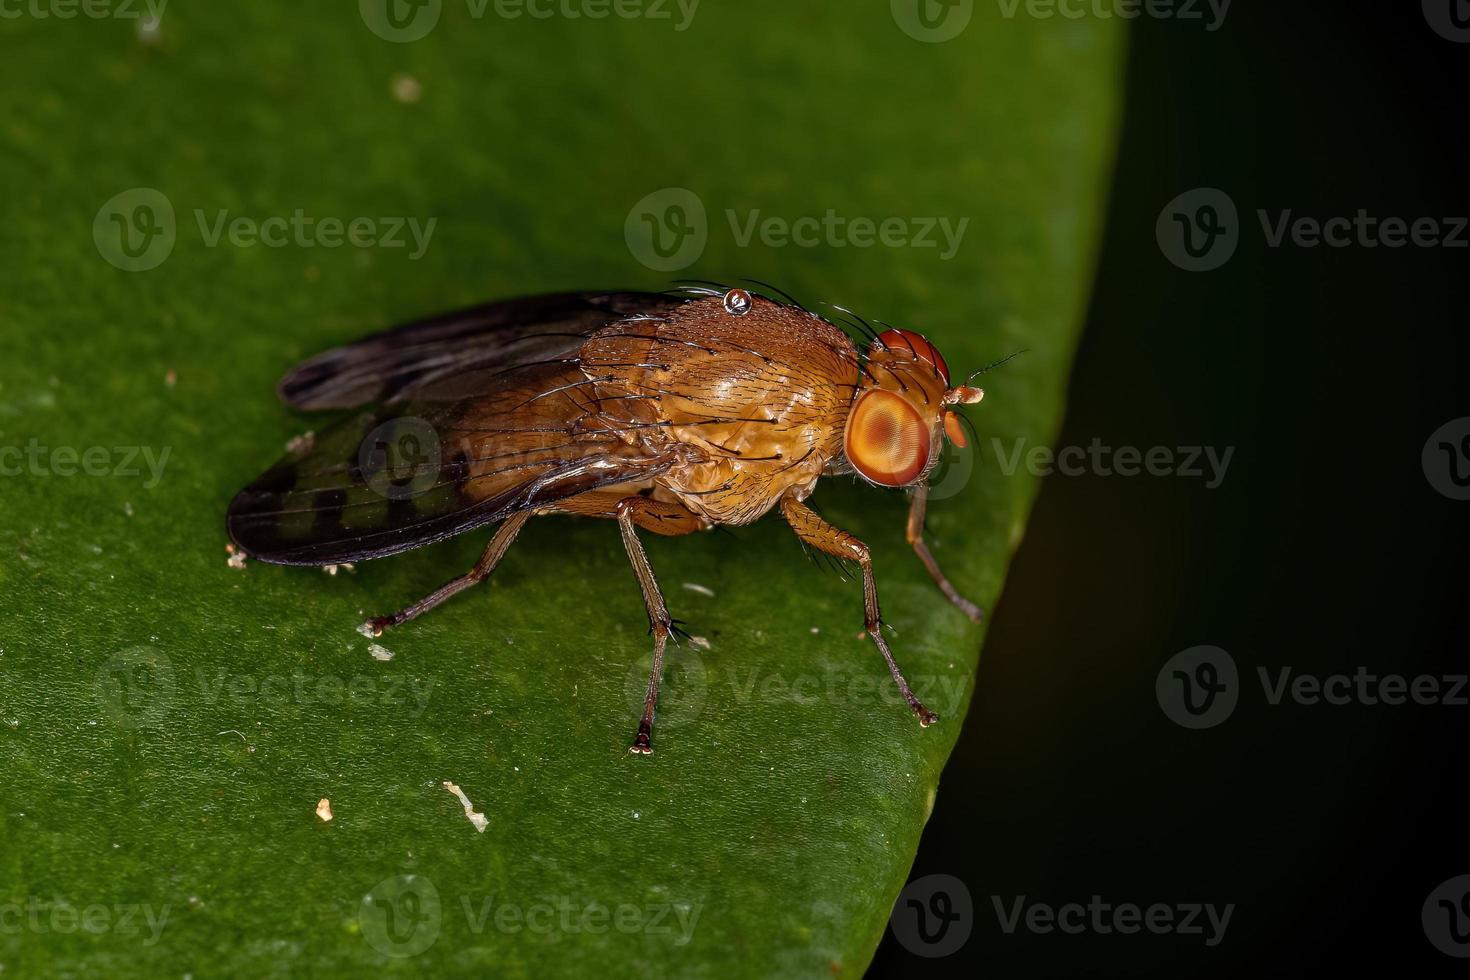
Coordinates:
column 168, row 723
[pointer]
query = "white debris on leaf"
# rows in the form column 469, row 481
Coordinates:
column 478, row 819
column 698, row 643
column 346, row 566
column 237, row 557
column 301, row 445
column 380, row 652
column 701, row 589
column 366, row 629
column 324, row 809
column 406, row 88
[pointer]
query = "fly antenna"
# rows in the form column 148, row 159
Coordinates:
column 995, row 364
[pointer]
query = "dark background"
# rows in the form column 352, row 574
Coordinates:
column 1324, row 550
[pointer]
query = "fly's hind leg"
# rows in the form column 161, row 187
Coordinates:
column 494, row 551
column 663, row 518
column 916, row 539
column 817, row 533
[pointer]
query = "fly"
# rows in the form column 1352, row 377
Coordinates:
column 667, row 412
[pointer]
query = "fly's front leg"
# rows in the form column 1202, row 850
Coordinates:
column 666, row 518
column 504, row 535
column 817, row 533
column 916, row 538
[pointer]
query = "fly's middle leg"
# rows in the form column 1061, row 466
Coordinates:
column 665, row 518
column 817, row 533
column 494, row 551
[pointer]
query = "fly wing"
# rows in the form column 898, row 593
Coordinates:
column 421, row 359
column 411, row 473
column 468, row 417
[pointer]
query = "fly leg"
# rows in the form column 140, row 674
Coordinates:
column 663, row 518
column 495, row 551
column 817, row 533
column 916, row 538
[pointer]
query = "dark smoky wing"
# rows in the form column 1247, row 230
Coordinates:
column 411, row 359
column 398, row 477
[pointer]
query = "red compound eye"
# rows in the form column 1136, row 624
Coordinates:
column 886, row 440
column 907, row 340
